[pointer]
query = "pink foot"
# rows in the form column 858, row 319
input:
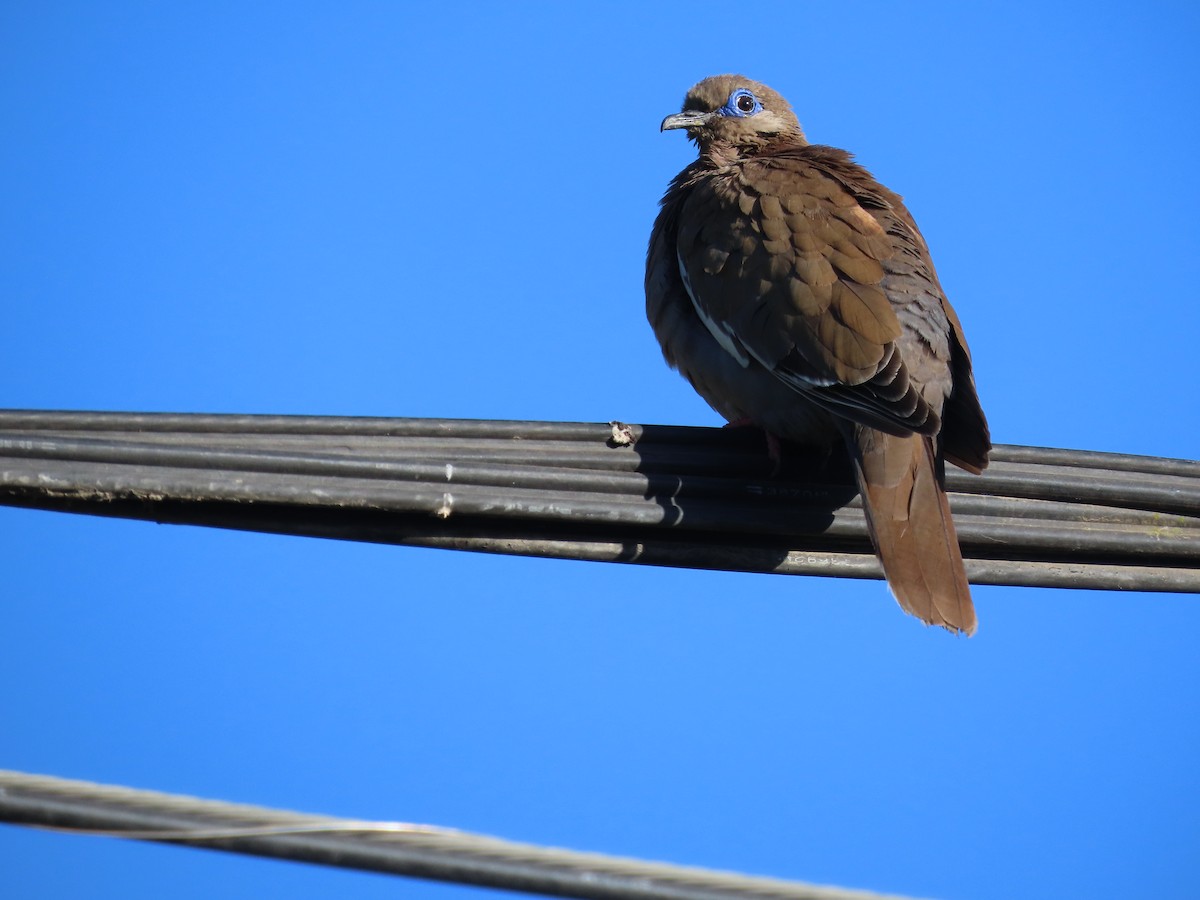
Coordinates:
column 774, row 447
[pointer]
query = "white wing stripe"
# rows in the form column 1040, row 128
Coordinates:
column 725, row 337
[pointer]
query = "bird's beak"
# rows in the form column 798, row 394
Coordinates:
column 689, row 118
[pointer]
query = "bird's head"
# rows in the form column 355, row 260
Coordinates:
column 730, row 116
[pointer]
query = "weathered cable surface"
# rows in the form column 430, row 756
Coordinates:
column 394, row 847
column 662, row 495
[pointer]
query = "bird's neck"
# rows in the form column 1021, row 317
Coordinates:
column 718, row 154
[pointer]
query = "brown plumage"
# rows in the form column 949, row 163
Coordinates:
column 796, row 292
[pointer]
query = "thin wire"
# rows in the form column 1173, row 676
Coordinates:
column 167, row 835
column 393, row 847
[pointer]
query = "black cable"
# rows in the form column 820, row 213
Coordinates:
column 664, row 495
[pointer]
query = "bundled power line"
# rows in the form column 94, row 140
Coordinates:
column 661, row 495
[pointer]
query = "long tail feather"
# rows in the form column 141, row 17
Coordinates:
column 909, row 519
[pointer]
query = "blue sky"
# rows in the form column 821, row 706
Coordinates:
column 442, row 210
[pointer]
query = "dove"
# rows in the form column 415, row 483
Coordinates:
column 796, row 293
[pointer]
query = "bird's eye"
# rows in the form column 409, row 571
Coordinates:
column 741, row 103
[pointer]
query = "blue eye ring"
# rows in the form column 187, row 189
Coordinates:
column 741, row 103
